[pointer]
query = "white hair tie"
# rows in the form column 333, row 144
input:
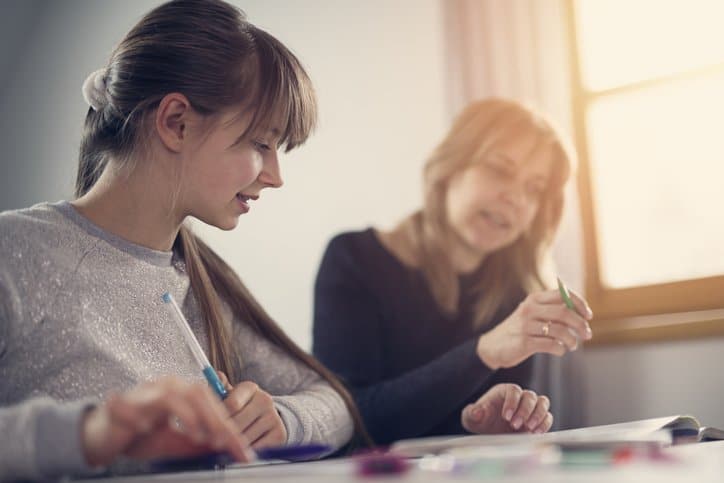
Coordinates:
column 94, row 89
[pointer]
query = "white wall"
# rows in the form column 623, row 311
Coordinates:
column 648, row 380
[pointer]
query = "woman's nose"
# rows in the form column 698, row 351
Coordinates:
column 514, row 193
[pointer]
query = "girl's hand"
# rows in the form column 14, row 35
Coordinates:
column 253, row 413
column 506, row 408
column 541, row 323
column 166, row 418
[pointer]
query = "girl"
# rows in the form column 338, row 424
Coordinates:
column 186, row 120
column 451, row 302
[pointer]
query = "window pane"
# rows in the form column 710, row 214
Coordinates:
column 657, row 169
column 623, row 41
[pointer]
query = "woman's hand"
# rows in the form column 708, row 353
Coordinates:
column 166, row 418
column 541, row 323
column 506, row 408
column 253, row 412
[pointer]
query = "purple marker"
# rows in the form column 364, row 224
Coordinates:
column 300, row 452
column 293, row 452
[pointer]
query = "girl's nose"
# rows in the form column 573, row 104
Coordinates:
column 271, row 174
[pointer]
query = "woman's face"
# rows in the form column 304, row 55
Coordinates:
column 224, row 172
column 491, row 203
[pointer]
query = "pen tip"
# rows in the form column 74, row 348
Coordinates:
column 166, row 297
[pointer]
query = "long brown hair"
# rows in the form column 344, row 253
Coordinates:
column 512, row 269
column 208, row 51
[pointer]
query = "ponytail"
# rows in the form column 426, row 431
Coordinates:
column 221, row 352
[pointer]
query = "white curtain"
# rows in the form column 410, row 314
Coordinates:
column 518, row 49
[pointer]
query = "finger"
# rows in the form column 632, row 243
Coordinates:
column 546, row 345
column 559, row 332
column 155, row 408
column 475, row 412
column 136, row 411
column 222, row 434
column 261, row 405
column 545, row 425
column 539, row 413
column 167, row 400
column 581, row 305
column 163, row 402
column 472, row 415
column 513, row 393
column 269, row 439
column 526, row 405
column 552, row 296
column 475, row 417
column 247, row 418
column 240, row 397
column 123, row 414
column 259, row 428
column 561, row 314
column 224, row 381
column 188, row 423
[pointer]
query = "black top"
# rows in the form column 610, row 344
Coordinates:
column 411, row 368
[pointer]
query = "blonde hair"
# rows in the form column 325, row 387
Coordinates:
column 514, row 268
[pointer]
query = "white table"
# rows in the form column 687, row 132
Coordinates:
column 694, row 463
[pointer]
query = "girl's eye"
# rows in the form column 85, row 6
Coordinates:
column 261, row 146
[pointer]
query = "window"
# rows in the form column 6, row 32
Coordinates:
column 648, row 109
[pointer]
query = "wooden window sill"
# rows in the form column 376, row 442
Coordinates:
column 656, row 328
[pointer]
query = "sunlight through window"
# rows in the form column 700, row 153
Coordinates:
column 624, row 41
column 655, row 150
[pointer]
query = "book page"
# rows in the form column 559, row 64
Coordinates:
column 647, row 430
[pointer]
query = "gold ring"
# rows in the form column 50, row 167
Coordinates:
column 177, row 424
column 546, row 328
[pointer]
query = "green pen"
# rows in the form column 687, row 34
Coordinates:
column 566, row 296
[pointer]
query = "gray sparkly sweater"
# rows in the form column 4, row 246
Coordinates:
column 81, row 315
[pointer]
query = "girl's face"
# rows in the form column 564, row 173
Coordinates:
column 491, row 203
column 224, row 172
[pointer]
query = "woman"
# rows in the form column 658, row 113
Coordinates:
column 440, row 310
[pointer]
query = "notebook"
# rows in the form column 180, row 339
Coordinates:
column 659, row 431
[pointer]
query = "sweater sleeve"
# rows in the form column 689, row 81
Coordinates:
column 347, row 338
column 42, row 435
column 46, row 441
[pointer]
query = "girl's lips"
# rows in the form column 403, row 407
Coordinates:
column 243, row 202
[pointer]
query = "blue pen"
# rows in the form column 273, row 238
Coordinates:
column 209, row 373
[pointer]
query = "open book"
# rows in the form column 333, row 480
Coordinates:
column 660, row 431
column 686, row 429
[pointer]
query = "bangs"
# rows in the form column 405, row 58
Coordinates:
column 284, row 93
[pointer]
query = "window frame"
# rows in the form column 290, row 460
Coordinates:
column 616, row 308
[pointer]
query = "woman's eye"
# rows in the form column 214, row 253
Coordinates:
column 497, row 168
